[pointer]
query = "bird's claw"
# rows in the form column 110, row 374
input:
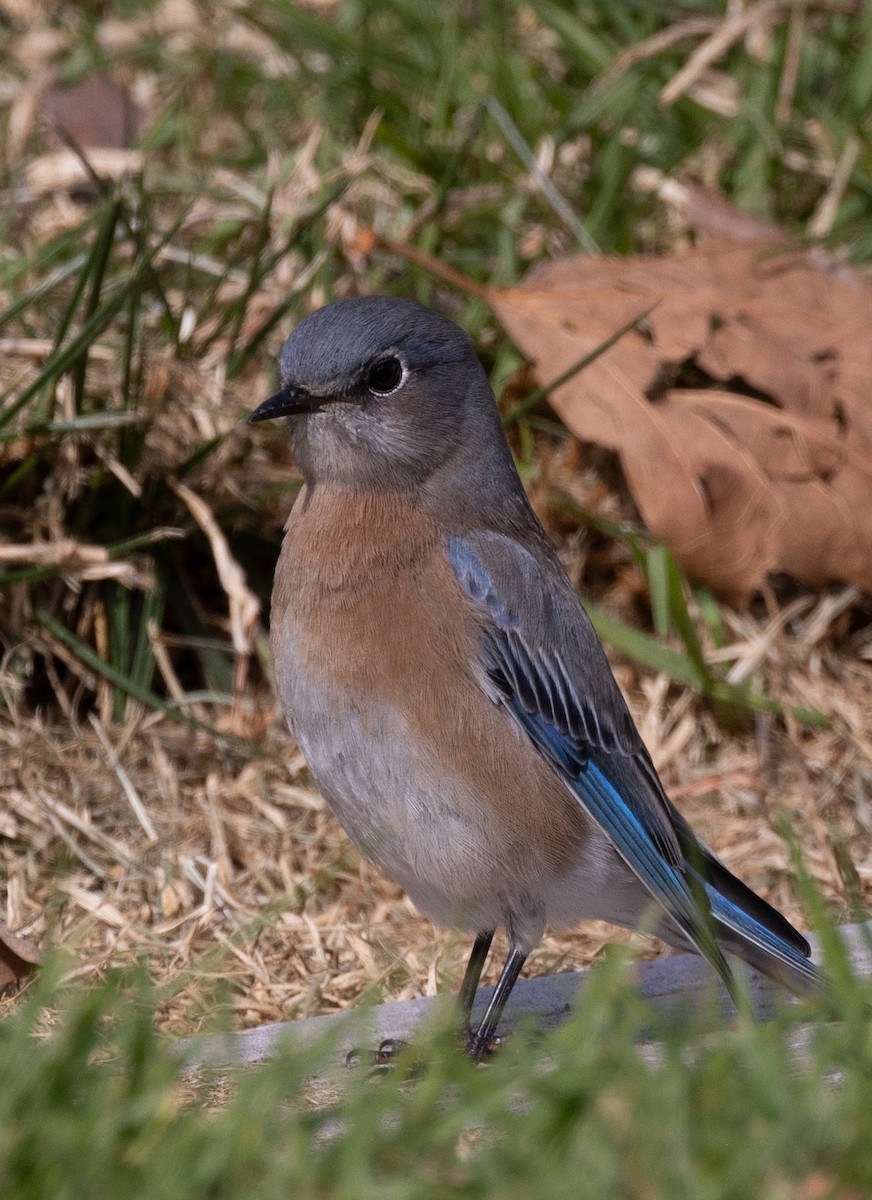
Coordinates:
column 380, row 1060
column 480, row 1049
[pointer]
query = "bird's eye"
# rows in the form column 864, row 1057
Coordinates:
column 385, row 376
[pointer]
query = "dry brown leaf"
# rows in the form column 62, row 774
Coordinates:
column 95, row 113
column 18, row 957
column 766, row 463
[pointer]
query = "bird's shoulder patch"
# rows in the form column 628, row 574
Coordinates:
column 477, row 581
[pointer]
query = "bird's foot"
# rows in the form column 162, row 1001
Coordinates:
column 480, row 1047
column 381, row 1060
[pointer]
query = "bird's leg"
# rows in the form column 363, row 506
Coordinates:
column 390, row 1048
column 471, row 976
column 481, row 1039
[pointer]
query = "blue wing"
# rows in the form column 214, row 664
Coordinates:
column 544, row 663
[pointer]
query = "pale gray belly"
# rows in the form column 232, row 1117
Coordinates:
column 412, row 817
column 418, row 822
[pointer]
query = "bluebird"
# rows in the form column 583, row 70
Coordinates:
column 444, row 682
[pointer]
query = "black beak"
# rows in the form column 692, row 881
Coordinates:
column 289, row 402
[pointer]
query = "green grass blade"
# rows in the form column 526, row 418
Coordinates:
column 136, row 691
column 681, row 669
column 70, row 354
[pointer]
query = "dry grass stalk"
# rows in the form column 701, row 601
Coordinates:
column 730, row 30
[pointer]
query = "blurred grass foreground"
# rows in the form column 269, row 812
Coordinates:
column 182, row 183
column 595, row 1110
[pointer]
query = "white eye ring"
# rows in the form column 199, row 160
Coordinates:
column 386, row 375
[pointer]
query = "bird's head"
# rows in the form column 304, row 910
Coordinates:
column 381, row 392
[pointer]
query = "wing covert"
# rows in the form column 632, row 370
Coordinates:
column 544, row 663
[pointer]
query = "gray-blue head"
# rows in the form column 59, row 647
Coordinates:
column 383, row 392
